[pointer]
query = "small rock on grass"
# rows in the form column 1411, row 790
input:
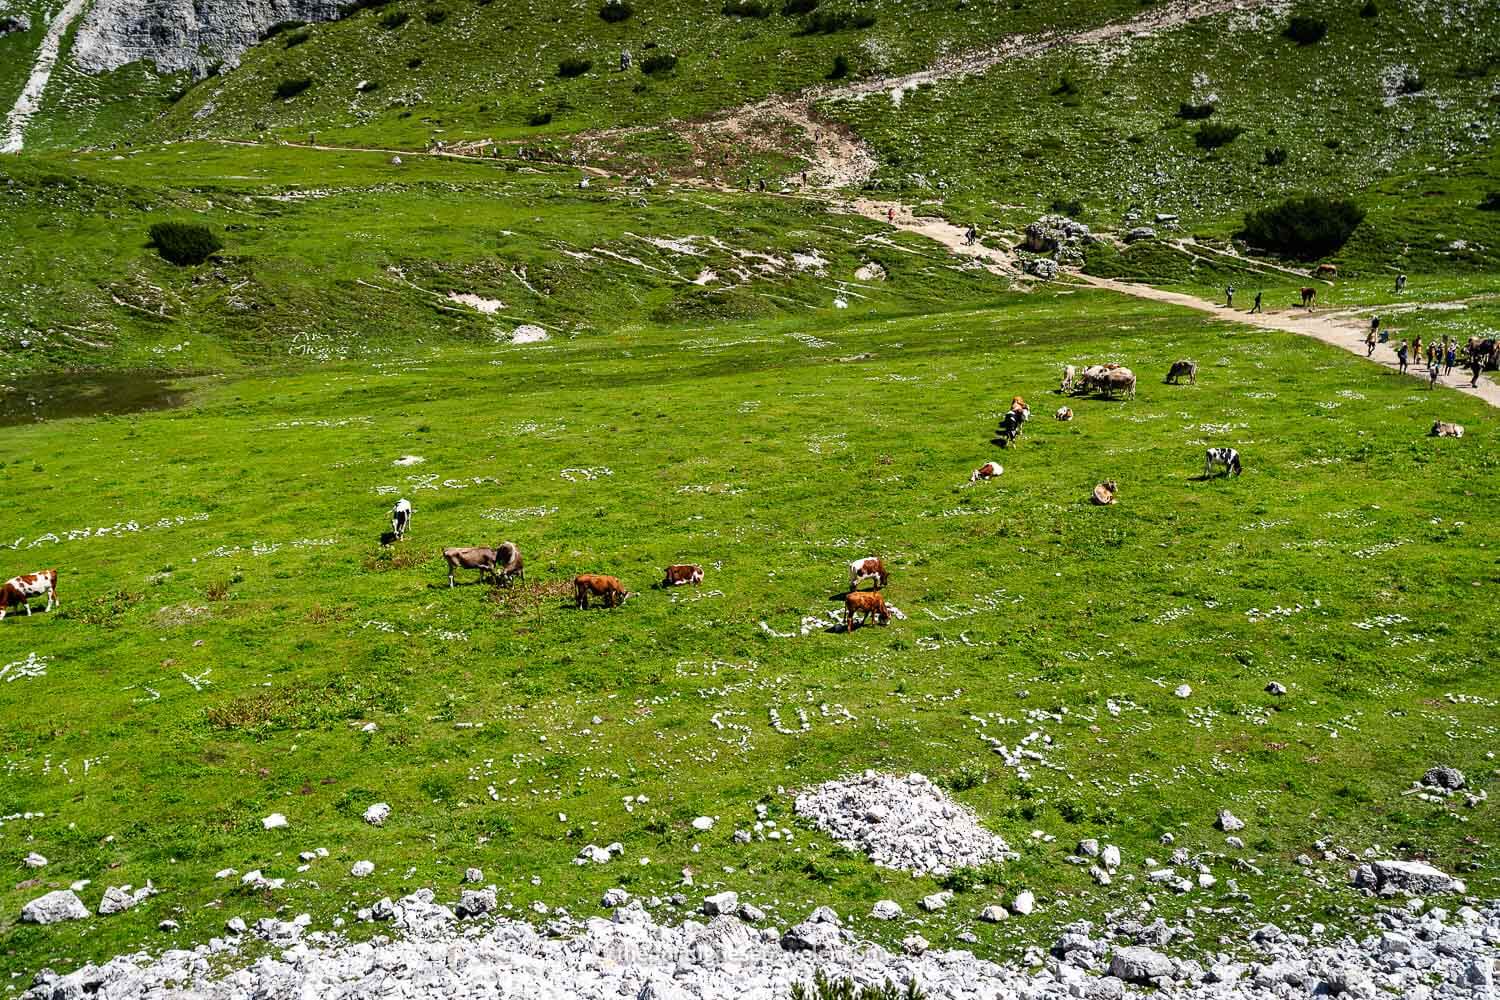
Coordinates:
column 377, row 814
column 886, row 909
column 54, row 907
column 1276, row 688
column 362, row 868
column 936, row 901
column 994, row 914
column 703, row 823
column 613, row 898
column 1229, row 822
column 1024, row 903
column 35, row 860
column 275, row 821
column 721, row 904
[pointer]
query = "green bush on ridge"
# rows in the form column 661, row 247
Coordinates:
column 184, row 243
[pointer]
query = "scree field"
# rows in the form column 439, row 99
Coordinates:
column 234, row 641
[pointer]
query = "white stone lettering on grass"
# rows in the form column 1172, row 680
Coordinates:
column 32, row 666
column 322, row 424
column 1380, row 548
column 119, row 528
column 507, row 514
column 901, row 821
column 584, row 475
column 431, row 482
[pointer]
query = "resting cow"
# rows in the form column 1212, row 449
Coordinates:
column 1442, row 429
column 989, row 470
column 21, row 589
column 869, row 568
column 607, row 587
column 866, row 602
column 679, row 575
column 1064, row 413
column 1183, row 369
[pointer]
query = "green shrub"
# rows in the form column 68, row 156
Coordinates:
column 1307, row 227
column 184, row 243
column 349, row 10
column 827, row 22
column 1274, row 157
column 1490, row 202
column 1369, row 9
column 574, row 66
column 292, row 41
column 1064, row 88
column 840, row 67
column 292, row 86
column 1212, row 135
column 746, row 8
column 394, row 19
column 1194, row 112
column 823, row 988
column 539, row 118
column 794, row 7
column 658, row 63
column 1071, row 207
column 615, row 11
column 1305, row 30
column 415, row 62
column 280, row 27
column 436, row 16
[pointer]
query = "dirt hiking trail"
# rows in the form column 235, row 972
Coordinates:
column 1341, row 328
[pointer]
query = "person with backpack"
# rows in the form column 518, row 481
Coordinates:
column 1401, row 356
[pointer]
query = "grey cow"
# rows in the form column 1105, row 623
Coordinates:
column 501, row 564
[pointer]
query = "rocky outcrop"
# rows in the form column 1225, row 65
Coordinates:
column 12, row 23
column 179, row 35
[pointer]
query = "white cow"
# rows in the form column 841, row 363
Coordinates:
column 400, row 518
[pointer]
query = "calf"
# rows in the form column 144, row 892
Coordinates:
column 508, row 563
column 868, row 602
column 21, row 589
column 1181, row 369
column 869, row 568
column 1070, row 373
column 678, row 575
column 1010, row 426
column 400, row 518
column 473, row 557
column 1308, row 295
column 1440, row 429
column 1326, row 271
column 989, row 470
column 1064, row 413
column 607, row 587
column 1227, row 457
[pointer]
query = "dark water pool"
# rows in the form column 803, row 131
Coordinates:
column 35, row 398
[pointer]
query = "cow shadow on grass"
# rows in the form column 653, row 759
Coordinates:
column 388, row 538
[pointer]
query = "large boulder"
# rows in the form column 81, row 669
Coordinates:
column 54, row 907
column 1449, row 779
column 1405, row 878
column 1136, row 964
column 12, row 23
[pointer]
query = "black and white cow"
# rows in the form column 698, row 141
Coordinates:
column 1227, row 457
column 400, row 518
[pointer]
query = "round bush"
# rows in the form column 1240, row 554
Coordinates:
column 1306, row 30
column 184, row 243
column 293, row 86
column 574, row 66
column 1307, row 228
column 616, row 11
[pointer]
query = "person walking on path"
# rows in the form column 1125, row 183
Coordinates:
column 1229, row 296
column 1432, row 377
column 1256, row 307
column 890, row 215
column 1370, row 342
column 1476, row 366
column 1401, row 356
column 1416, row 349
column 970, row 235
column 1433, row 357
column 1450, row 355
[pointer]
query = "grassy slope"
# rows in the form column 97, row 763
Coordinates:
column 312, row 239
column 772, row 462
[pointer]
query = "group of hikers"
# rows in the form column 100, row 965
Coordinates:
column 1440, row 358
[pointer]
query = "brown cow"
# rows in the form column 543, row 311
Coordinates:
column 607, row 587
column 1326, row 271
column 1308, row 295
column 21, row 589
column 869, row 568
column 870, row 602
column 500, row 564
column 678, row 575
column 1104, row 493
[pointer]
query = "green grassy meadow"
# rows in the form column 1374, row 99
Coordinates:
column 230, row 622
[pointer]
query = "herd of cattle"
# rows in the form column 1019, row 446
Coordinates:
column 503, row 564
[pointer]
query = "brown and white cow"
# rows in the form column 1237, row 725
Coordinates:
column 868, row 568
column 591, row 584
column 21, row 589
column 866, row 602
column 1442, row 429
column 1064, row 413
column 679, row 575
column 989, row 470
column 1070, row 374
column 1104, row 493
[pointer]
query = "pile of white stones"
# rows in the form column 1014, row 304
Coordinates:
column 1415, row 951
column 903, row 822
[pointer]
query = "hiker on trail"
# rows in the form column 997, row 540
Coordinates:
column 890, row 215
column 1450, row 352
column 1432, row 356
column 1476, row 366
column 1256, row 307
column 1400, row 283
column 763, row 184
column 1229, row 296
column 1416, row 348
column 1370, row 342
column 970, row 235
column 804, row 178
column 1374, row 325
column 1401, row 356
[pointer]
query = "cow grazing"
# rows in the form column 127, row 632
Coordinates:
column 1019, row 405
column 1181, row 370
column 1070, row 375
column 1227, row 457
column 989, row 470
column 1104, row 493
column 400, row 519
column 866, row 602
column 869, row 568
column 1326, row 271
column 1308, row 295
column 499, row 564
column 679, row 575
column 1064, row 413
column 590, row 584
column 1010, row 428
column 1440, row 429
column 21, row 589
column 1118, row 380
